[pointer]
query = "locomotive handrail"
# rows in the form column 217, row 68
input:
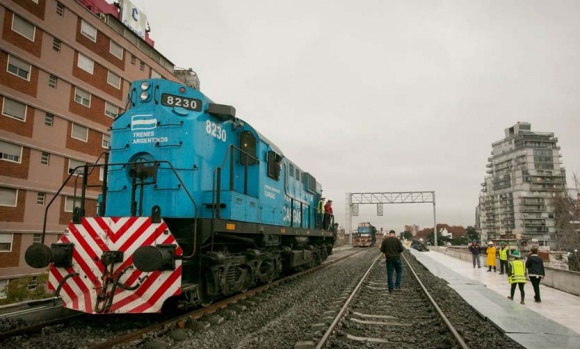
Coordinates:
column 60, row 190
column 102, row 209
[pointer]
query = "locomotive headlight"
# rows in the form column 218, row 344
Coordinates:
column 145, row 85
column 144, row 96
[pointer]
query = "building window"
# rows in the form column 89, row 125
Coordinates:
column 133, row 59
column 74, row 164
column 142, row 66
column 45, row 158
column 23, row 27
column 19, row 68
column 37, row 238
column 49, row 119
column 3, row 285
column 33, row 283
column 59, row 9
column 116, row 50
column 56, row 44
column 106, row 141
column 52, row 81
column 8, row 196
column 111, row 110
column 89, row 31
column 6, row 242
column 80, row 132
column 155, row 75
column 14, row 109
column 35, row 1
column 86, row 64
column 70, row 204
column 40, row 198
column 82, row 97
column 10, row 152
column 101, row 173
column 114, row 80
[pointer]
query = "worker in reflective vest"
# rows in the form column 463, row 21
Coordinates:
column 503, row 258
column 517, row 276
column 320, row 213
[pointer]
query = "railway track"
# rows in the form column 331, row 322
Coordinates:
column 371, row 316
column 133, row 329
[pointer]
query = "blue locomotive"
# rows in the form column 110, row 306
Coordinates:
column 365, row 235
column 195, row 205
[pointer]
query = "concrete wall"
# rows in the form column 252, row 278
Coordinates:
column 563, row 280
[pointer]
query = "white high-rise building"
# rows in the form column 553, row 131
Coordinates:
column 524, row 175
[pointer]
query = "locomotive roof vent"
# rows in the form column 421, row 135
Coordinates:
column 222, row 112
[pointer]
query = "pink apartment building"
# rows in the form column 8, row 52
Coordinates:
column 65, row 70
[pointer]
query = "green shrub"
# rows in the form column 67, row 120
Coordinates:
column 18, row 289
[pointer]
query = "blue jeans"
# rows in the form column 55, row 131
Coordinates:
column 394, row 264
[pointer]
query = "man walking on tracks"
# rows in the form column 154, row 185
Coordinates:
column 392, row 248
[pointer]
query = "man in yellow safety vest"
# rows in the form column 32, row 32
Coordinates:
column 517, row 276
column 503, row 257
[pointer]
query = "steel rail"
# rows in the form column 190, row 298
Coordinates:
column 339, row 316
column 450, row 326
column 197, row 314
column 328, row 332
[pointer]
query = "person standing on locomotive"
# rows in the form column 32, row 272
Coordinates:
column 392, row 247
column 320, row 213
column 328, row 216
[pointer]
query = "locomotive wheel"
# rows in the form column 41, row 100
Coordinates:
column 267, row 271
column 207, row 288
column 245, row 278
column 315, row 260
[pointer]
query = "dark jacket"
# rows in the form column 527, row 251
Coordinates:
column 535, row 265
column 392, row 247
column 474, row 249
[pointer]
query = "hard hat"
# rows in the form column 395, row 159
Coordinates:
column 516, row 254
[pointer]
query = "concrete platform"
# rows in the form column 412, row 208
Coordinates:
column 554, row 323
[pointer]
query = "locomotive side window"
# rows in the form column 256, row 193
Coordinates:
column 291, row 170
column 248, row 145
column 274, row 165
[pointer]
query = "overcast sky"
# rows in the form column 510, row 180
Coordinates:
column 381, row 96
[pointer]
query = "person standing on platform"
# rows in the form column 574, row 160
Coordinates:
column 490, row 256
column 535, row 267
column 517, row 276
column 392, row 247
column 503, row 257
column 474, row 248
